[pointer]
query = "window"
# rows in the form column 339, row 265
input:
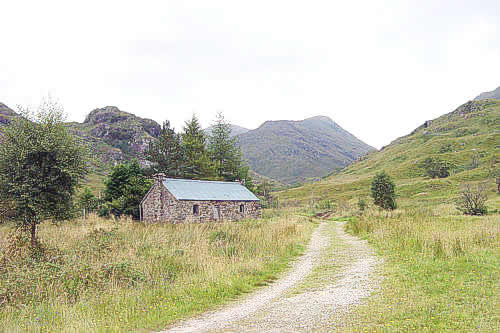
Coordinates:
column 196, row 209
column 242, row 209
column 161, row 200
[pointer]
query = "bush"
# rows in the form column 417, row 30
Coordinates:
column 382, row 190
column 436, row 168
column 472, row 200
column 362, row 204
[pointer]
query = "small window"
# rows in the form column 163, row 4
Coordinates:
column 196, row 209
column 242, row 209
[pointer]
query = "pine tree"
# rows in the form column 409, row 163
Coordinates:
column 222, row 148
column 197, row 164
column 226, row 153
column 166, row 153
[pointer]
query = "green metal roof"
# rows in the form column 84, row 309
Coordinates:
column 204, row 190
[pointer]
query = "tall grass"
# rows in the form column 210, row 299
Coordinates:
column 441, row 271
column 116, row 275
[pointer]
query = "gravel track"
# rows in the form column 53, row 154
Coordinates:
column 270, row 310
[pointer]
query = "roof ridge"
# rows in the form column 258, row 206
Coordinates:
column 203, row 181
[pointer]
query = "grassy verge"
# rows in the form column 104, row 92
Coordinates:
column 441, row 272
column 102, row 275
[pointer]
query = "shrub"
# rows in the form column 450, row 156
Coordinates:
column 472, row 200
column 362, row 204
column 436, row 168
column 382, row 190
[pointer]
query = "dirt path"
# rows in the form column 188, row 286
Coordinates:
column 272, row 309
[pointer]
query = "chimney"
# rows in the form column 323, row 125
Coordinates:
column 158, row 178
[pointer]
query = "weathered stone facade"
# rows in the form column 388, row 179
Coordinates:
column 159, row 205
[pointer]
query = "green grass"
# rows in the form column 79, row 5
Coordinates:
column 441, row 272
column 104, row 275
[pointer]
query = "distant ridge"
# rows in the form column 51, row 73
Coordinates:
column 294, row 151
column 495, row 94
column 235, row 130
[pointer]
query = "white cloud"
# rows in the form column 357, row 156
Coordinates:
column 377, row 68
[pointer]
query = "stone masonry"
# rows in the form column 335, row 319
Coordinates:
column 159, row 205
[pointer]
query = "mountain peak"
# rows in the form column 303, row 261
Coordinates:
column 320, row 118
column 292, row 151
column 494, row 94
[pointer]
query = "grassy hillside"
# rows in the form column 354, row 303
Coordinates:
column 293, row 151
column 471, row 131
column 113, row 276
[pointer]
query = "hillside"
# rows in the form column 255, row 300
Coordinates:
column 6, row 114
column 473, row 129
column 293, row 151
column 495, row 94
column 235, row 130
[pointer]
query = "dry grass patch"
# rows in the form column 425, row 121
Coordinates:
column 119, row 274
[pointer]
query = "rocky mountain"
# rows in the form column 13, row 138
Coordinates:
column 495, row 94
column 235, row 130
column 293, row 151
column 116, row 135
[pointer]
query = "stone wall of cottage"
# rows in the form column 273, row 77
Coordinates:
column 161, row 206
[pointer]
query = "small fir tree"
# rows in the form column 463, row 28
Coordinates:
column 382, row 191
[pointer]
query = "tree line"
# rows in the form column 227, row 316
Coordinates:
column 190, row 154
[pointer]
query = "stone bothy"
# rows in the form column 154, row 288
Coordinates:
column 180, row 200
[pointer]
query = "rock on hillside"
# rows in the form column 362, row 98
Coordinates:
column 293, row 151
column 235, row 130
column 495, row 94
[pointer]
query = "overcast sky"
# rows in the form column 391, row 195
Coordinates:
column 377, row 68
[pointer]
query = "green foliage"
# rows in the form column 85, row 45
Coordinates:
column 197, row 163
column 472, row 200
column 41, row 165
column 226, row 153
column 166, row 153
column 126, row 186
column 382, row 191
column 87, row 200
column 362, row 204
column 436, row 168
column 445, row 149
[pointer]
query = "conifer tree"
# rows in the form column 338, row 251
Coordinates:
column 166, row 153
column 197, row 164
column 226, row 153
